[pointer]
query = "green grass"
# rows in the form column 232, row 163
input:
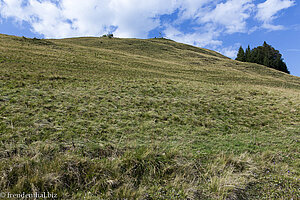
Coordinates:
column 144, row 119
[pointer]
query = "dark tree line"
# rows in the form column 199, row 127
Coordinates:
column 264, row 55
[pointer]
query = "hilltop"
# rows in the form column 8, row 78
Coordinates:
column 144, row 119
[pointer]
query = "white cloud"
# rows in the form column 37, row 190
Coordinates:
column 272, row 27
column 210, row 19
column 230, row 51
column 267, row 12
column 195, row 38
column 204, row 21
column 136, row 18
column 190, row 9
column 44, row 17
column 231, row 14
column 132, row 18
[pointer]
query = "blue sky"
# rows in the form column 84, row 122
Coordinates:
column 221, row 25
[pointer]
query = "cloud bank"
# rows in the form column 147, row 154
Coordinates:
column 196, row 22
column 268, row 11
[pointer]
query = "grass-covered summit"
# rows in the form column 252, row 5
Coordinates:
column 110, row 118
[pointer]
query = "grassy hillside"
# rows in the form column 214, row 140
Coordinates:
column 144, row 119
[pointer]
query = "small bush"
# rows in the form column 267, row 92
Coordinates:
column 108, row 35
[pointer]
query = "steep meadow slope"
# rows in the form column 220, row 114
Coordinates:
column 111, row 118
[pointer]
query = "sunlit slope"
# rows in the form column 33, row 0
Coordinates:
column 144, row 119
column 139, row 58
column 186, row 59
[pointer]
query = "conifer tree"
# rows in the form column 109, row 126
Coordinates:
column 266, row 62
column 241, row 55
column 264, row 55
column 248, row 54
